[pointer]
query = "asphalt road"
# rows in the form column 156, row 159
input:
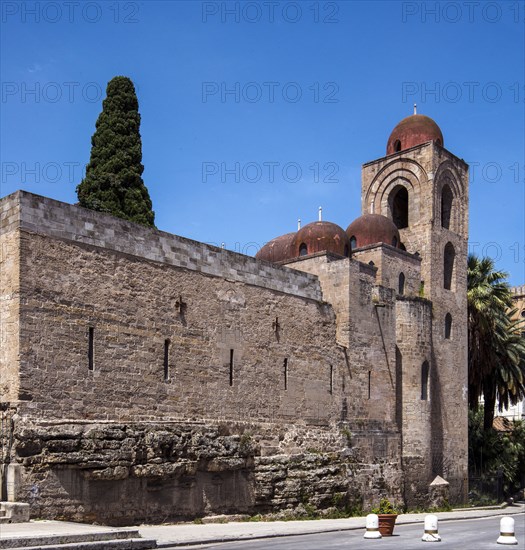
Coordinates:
column 474, row 534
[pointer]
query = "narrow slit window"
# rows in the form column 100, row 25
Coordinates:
column 424, row 381
column 447, row 200
column 369, row 383
column 448, row 326
column 401, row 285
column 331, row 389
column 448, row 266
column 91, row 348
column 166, row 359
column 285, row 373
column 231, row 367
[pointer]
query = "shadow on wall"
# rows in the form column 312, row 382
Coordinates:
column 121, row 502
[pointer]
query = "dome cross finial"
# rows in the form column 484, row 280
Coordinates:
column 298, row 224
column 415, row 108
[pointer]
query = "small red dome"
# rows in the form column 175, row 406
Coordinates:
column 411, row 131
column 277, row 249
column 320, row 237
column 372, row 229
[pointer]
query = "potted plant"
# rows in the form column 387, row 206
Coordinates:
column 387, row 515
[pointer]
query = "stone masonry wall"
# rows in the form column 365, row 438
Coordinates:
column 418, row 415
column 68, row 222
column 390, row 263
column 366, row 329
column 220, row 384
column 9, row 300
column 131, row 304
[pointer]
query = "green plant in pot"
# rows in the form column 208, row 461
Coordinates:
column 387, row 514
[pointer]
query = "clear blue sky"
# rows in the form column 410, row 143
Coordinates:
column 299, row 91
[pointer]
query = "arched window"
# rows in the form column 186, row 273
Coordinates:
column 448, row 326
column 446, row 206
column 303, row 250
column 353, row 242
column 397, row 146
column 401, row 287
column 371, row 263
column 424, row 381
column 399, row 206
column 394, row 241
column 448, row 266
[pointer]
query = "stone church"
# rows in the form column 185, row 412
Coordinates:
column 149, row 377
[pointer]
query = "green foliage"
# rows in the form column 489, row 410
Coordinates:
column 496, row 349
column 246, row 444
column 385, row 507
column 493, row 454
column 113, row 181
column 345, row 432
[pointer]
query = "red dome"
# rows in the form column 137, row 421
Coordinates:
column 372, row 229
column 411, row 131
column 277, row 249
column 320, row 237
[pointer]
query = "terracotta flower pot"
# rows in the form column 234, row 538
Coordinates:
column 386, row 524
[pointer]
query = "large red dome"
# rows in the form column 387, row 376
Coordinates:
column 411, row 131
column 320, row 237
column 277, row 249
column 372, row 229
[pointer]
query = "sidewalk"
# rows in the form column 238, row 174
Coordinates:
column 190, row 533
column 186, row 534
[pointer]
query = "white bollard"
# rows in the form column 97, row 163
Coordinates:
column 431, row 529
column 372, row 527
column 506, row 531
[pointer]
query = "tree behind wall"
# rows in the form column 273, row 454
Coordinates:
column 495, row 345
column 113, row 181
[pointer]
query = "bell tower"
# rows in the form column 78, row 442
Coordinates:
column 423, row 188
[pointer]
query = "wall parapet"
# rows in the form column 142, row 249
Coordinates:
column 64, row 221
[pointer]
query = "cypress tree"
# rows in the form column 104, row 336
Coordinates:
column 113, row 181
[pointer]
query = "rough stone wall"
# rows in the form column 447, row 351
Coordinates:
column 122, row 473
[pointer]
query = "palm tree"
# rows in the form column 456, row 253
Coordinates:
column 510, row 371
column 496, row 349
